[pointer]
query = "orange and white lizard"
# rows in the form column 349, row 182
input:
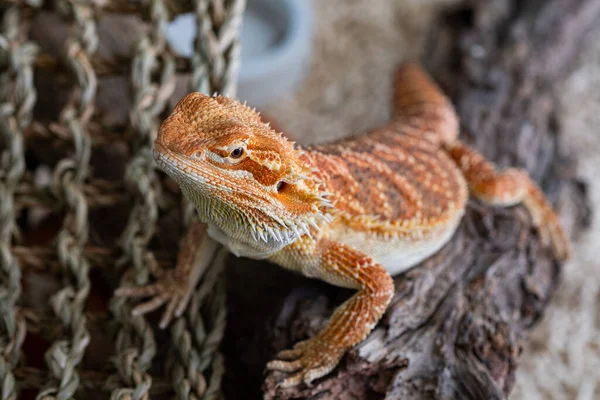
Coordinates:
column 351, row 213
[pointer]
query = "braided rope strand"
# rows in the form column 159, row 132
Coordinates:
column 17, row 98
column 195, row 351
column 136, row 345
column 216, row 59
column 69, row 303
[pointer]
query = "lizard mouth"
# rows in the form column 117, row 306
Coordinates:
column 167, row 158
column 180, row 167
column 159, row 148
column 162, row 155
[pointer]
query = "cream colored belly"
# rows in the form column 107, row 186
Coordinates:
column 400, row 253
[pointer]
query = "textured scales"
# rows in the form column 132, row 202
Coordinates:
column 351, row 213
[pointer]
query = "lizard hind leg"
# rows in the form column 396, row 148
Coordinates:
column 511, row 187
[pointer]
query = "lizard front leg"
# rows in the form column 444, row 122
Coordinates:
column 341, row 265
column 510, row 187
column 174, row 287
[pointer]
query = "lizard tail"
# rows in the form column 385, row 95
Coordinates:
column 418, row 100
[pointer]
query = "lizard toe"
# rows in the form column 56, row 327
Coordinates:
column 285, row 366
column 289, row 354
column 169, row 312
column 309, row 359
column 303, row 344
column 170, row 289
column 317, row 372
column 140, row 291
column 309, row 373
column 154, row 303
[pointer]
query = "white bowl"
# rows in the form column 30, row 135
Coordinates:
column 276, row 47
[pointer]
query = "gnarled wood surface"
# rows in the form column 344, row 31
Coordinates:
column 458, row 321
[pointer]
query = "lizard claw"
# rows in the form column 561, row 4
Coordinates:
column 308, row 360
column 170, row 289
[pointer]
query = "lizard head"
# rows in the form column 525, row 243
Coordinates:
column 240, row 174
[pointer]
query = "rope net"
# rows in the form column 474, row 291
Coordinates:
column 84, row 86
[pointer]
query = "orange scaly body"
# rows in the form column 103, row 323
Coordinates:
column 351, row 213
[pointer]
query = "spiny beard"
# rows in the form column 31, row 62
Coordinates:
column 286, row 231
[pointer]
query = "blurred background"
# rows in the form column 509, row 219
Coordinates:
column 79, row 152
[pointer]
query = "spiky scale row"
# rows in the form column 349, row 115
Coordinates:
column 348, row 210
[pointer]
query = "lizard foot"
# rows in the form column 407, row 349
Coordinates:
column 171, row 289
column 308, row 360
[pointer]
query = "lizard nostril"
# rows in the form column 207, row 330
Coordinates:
column 197, row 154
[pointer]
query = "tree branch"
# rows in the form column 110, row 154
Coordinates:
column 458, row 321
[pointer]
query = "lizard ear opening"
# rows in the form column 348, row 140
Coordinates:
column 281, row 185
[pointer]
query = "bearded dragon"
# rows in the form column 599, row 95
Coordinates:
column 352, row 213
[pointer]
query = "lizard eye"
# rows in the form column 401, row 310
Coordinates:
column 237, row 153
column 280, row 186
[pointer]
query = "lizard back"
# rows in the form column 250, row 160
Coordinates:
column 398, row 178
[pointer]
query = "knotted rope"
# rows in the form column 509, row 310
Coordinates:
column 194, row 363
column 17, row 98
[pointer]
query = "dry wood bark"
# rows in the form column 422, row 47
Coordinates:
column 457, row 324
